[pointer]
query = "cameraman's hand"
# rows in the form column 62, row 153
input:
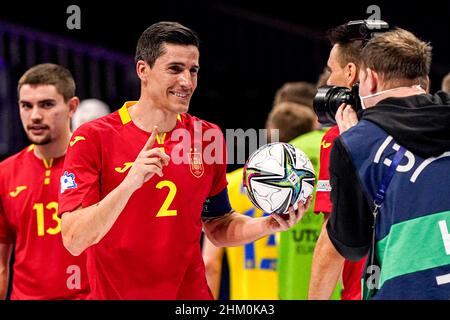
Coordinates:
column 346, row 117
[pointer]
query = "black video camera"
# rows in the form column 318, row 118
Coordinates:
column 366, row 29
column 329, row 98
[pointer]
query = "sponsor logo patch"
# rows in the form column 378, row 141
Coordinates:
column 124, row 168
column 67, row 181
column 325, row 144
column 18, row 190
column 323, row 185
column 76, row 139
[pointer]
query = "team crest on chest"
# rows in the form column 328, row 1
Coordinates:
column 196, row 164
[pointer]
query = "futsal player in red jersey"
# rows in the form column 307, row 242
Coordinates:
column 29, row 188
column 343, row 65
column 352, row 271
column 140, row 184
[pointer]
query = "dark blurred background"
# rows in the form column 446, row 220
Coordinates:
column 247, row 50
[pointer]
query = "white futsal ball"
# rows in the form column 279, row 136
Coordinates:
column 277, row 176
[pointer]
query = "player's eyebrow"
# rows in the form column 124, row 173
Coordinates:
column 47, row 100
column 181, row 64
column 40, row 101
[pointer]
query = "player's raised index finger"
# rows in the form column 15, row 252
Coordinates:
column 149, row 144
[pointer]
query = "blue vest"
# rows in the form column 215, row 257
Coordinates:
column 413, row 224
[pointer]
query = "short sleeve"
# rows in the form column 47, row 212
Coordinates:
column 6, row 233
column 80, row 180
column 220, row 170
column 217, row 206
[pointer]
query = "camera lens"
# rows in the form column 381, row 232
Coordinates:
column 327, row 101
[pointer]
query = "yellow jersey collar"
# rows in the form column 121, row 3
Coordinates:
column 125, row 115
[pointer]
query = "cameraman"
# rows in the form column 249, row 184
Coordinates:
column 397, row 155
column 343, row 66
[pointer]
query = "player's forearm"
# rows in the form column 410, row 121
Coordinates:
column 213, row 280
column 237, row 229
column 212, row 256
column 85, row 227
column 3, row 283
column 5, row 256
column 326, row 268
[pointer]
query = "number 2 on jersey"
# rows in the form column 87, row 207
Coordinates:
column 164, row 211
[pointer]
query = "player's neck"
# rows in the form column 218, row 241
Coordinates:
column 145, row 116
column 54, row 149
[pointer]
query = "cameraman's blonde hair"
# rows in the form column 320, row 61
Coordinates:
column 398, row 56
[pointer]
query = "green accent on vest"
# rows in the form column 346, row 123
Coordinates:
column 421, row 238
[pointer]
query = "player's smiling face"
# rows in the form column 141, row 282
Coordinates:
column 43, row 112
column 173, row 78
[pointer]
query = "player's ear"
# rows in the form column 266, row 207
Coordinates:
column 73, row 104
column 142, row 69
column 351, row 73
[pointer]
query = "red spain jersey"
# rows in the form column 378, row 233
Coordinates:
column 352, row 271
column 153, row 249
column 43, row 268
column 323, row 201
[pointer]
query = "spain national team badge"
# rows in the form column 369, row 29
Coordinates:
column 196, row 164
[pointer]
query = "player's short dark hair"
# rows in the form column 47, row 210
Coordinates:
column 150, row 45
column 52, row 74
column 299, row 92
column 350, row 49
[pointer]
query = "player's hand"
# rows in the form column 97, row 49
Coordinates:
column 150, row 161
column 283, row 222
column 345, row 117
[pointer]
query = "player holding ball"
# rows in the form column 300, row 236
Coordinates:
column 139, row 213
